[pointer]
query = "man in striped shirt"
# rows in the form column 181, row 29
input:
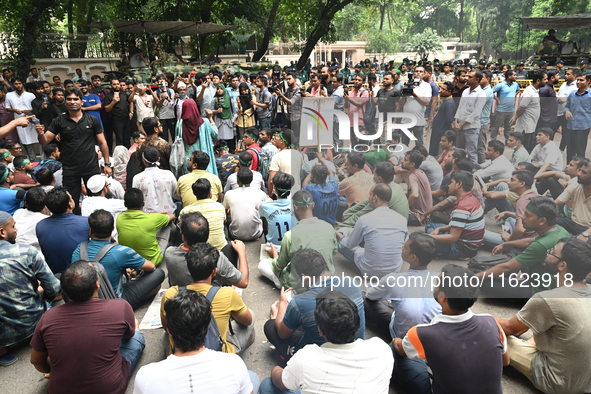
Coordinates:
column 465, row 232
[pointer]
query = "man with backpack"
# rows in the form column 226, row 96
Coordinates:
column 250, row 140
column 116, row 259
column 234, row 335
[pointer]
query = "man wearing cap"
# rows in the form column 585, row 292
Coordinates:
column 520, row 73
column 22, row 305
column 101, row 197
column 584, row 64
column 357, row 71
column 559, row 68
column 482, row 65
column 447, row 75
column 10, row 199
column 79, row 133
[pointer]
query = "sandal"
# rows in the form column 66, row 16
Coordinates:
column 8, row 359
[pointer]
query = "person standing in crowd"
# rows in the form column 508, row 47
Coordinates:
column 443, row 118
column 19, row 103
column 568, row 86
column 485, row 115
column 92, row 102
column 79, row 133
column 120, row 103
column 198, row 133
column 505, row 92
column 548, row 102
column 578, row 115
column 224, row 119
column 293, row 98
column 287, row 160
column 467, row 117
column 526, row 117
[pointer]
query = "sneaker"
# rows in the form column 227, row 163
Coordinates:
column 8, row 359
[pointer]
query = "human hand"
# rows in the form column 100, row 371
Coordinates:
column 499, row 216
column 239, row 247
column 272, row 252
column 282, row 296
column 274, row 310
column 498, row 249
column 505, row 236
column 435, row 231
column 108, row 171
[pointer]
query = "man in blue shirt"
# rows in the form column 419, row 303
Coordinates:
column 289, row 315
column 322, row 184
column 277, row 214
column 505, row 97
column 443, row 118
column 403, row 300
column 91, row 102
column 10, row 199
column 578, row 115
column 60, row 233
column 118, row 259
column 485, row 115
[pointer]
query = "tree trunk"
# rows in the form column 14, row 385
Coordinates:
column 382, row 15
column 461, row 20
column 268, row 33
column 84, row 16
column 438, row 26
column 30, row 37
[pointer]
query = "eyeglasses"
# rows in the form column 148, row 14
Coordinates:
column 551, row 253
column 18, row 148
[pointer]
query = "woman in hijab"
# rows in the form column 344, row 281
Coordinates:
column 245, row 109
column 198, row 133
column 224, row 117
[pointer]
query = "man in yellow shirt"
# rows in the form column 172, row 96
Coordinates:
column 197, row 165
column 202, row 262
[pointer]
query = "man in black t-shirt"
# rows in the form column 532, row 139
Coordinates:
column 119, row 102
column 79, row 132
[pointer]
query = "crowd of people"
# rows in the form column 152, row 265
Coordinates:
column 108, row 191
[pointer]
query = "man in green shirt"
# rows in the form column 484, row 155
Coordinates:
column 138, row 230
column 520, row 154
column 539, row 216
column 383, row 173
column 309, row 233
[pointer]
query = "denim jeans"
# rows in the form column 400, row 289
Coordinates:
column 267, row 387
column 448, row 250
column 132, row 348
column 265, row 123
column 502, row 204
column 468, row 139
column 412, row 374
column 492, row 238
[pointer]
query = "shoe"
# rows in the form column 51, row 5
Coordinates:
column 8, row 359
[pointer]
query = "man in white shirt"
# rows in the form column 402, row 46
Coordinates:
column 101, row 197
column 496, row 167
column 567, row 87
column 341, row 365
column 467, row 119
column 158, row 186
column 19, row 103
column 26, row 219
column 287, row 160
column 549, row 158
column 188, row 315
column 417, row 104
column 526, row 117
column 245, row 221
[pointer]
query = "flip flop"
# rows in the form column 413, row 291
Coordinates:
column 8, row 359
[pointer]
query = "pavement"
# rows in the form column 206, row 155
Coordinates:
column 22, row 378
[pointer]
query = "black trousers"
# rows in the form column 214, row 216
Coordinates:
column 72, row 185
column 576, row 144
column 135, row 291
column 285, row 347
column 571, row 226
column 550, row 183
column 379, row 313
column 122, row 132
column 168, row 128
column 529, row 141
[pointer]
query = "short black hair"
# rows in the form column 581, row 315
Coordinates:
column 547, row 206
column 102, row 223
column 74, row 91
column 319, row 173
column 518, row 135
column 372, row 77
column 35, row 199
column 301, row 197
column 356, row 159
column 396, row 136
column 459, row 153
column 133, row 198
column 415, row 157
column 194, row 227
column 151, row 155
column 188, row 315
column 202, row 259
column 285, row 182
column 487, row 73
column 497, row 146
column 201, row 188
column 137, row 135
column 525, row 176
column 78, row 281
column 546, row 131
column 19, row 160
column 287, row 135
column 382, row 191
column 200, row 158
column 245, row 158
column 528, row 166
column 57, row 200
column 537, row 76
column 337, row 317
column 244, row 176
column 423, row 246
column 49, row 149
column 385, row 170
column 460, row 298
column 308, row 262
column 576, row 254
column 465, row 178
column 465, row 164
column 149, row 125
column 450, row 135
column 422, row 149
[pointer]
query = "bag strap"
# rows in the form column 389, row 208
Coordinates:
column 84, row 251
column 101, row 253
column 212, row 292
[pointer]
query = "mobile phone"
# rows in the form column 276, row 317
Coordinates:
column 34, row 120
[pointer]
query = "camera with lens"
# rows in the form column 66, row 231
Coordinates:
column 162, row 85
column 408, row 88
column 277, row 85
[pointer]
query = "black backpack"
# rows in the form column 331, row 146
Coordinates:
column 213, row 339
column 106, row 291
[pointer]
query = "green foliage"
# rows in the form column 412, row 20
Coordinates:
column 384, row 41
column 424, row 43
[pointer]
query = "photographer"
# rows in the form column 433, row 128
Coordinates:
column 315, row 89
column 293, row 98
column 263, row 103
column 416, row 104
column 165, row 105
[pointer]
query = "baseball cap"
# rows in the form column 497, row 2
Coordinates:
column 560, row 61
column 397, row 71
column 333, row 68
column 96, row 183
column 482, row 61
column 520, row 64
column 584, row 62
column 358, row 65
column 543, row 63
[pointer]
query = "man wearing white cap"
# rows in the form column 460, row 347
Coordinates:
column 21, row 304
column 101, row 197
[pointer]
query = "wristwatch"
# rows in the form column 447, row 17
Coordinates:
column 586, row 234
column 108, row 165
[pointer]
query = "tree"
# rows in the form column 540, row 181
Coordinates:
column 269, row 30
column 424, row 43
column 381, row 41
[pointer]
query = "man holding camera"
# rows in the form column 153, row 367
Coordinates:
column 416, row 104
column 293, row 98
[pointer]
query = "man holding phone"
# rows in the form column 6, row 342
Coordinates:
column 144, row 100
column 165, row 105
column 119, row 103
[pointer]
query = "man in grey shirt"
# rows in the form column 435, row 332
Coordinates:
column 195, row 229
column 431, row 167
